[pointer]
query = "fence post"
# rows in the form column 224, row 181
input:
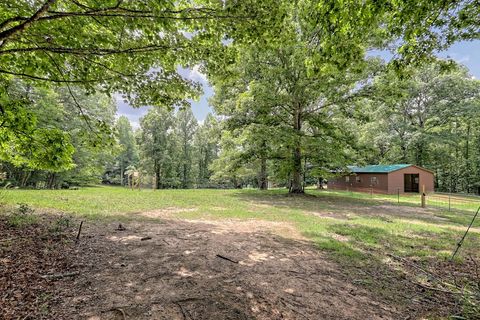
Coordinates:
column 398, row 195
column 423, row 196
column 449, row 206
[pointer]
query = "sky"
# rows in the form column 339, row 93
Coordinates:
column 466, row 53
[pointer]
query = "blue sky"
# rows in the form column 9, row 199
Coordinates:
column 466, row 53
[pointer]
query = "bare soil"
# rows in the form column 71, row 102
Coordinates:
column 177, row 269
column 191, row 271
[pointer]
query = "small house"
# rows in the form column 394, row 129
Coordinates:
column 387, row 179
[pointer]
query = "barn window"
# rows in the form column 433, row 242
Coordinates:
column 373, row 180
column 358, row 179
column 347, row 179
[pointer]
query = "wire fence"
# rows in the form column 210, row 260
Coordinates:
column 448, row 201
column 453, row 201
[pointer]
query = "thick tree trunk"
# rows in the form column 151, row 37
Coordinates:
column 297, row 171
column 296, row 185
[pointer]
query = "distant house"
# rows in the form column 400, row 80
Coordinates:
column 387, row 179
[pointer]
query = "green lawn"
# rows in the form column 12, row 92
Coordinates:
column 349, row 225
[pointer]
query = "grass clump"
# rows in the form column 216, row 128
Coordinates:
column 22, row 216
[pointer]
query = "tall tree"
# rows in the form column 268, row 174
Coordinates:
column 158, row 146
column 297, row 101
column 186, row 125
column 206, row 149
column 128, row 153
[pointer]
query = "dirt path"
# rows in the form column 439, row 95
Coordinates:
column 176, row 274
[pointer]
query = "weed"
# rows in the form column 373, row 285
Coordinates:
column 24, row 209
column 17, row 220
column 60, row 225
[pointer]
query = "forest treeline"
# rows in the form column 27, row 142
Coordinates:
column 429, row 118
column 298, row 93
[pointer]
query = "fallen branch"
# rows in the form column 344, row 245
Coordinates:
column 226, row 258
column 146, row 238
column 79, row 231
column 60, row 275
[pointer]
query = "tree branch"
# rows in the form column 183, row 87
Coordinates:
column 89, row 51
column 4, row 35
column 34, row 77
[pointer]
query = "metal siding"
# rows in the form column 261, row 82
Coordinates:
column 395, row 179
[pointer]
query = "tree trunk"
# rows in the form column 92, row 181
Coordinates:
column 262, row 180
column 468, row 170
column 157, row 174
column 296, row 185
column 122, row 182
column 25, row 177
column 51, row 182
column 185, row 183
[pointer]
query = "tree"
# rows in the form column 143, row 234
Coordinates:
column 186, row 125
column 296, row 102
column 26, row 137
column 428, row 119
column 158, row 146
column 125, row 46
column 206, row 149
column 411, row 29
column 33, row 157
column 128, row 155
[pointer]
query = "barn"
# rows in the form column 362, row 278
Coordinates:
column 387, row 179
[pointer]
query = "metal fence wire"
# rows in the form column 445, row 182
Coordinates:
column 452, row 201
column 443, row 200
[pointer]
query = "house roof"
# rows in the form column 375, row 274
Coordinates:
column 379, row 168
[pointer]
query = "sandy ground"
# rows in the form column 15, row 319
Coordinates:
column 192, row 270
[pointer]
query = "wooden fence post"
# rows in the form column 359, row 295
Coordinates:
column 423, row 196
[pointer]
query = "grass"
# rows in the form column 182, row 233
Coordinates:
column 348, row 225
column 439, row 200
column 354, row 229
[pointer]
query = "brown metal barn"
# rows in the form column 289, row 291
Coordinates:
column 388, row 179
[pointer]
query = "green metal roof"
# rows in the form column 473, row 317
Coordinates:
column 379, row 168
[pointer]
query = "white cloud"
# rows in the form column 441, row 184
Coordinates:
column 196, row 75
